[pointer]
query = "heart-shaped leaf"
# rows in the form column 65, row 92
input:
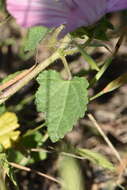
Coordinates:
column 63, row 102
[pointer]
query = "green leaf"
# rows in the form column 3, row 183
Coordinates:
column 17, row 157
column 37, row 156
column 63, row 102
column 71, row 174
column 96, row 158
column 97, row 31
column 100, row 44
column 21, row 158
column 35, row 35
column 88, row 58
column 32, row 140
column 113, row 85
column 6, row 168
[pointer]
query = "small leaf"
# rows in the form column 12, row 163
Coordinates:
column 63, row 102
column 7, row 169
column 21, row 158
column 113, row 85
column 97, row 31
column 32, row 140
column 35, row 35
column 37, row 156
column 100, row 44
column 96, row 158
column 88, row 58
column 71, row 174
column 17, row 157
column 116, row 83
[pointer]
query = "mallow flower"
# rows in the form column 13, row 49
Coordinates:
column 53, row 13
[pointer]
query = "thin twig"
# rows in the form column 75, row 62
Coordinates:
column 72, row 155
column 119, row 42
column 92, row 119
column 34, row 171
column 17, row 78
column 6, row 93
column 10, row 90
column 62, row 153
column 2, row 179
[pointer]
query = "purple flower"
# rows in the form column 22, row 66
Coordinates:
column 53, row 13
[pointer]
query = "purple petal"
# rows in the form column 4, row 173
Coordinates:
column 50, row 13
column 85, row 12
column 116, row 5
column 53, row 13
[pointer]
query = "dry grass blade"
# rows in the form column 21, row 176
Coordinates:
column 34, row 171
column 92, row 119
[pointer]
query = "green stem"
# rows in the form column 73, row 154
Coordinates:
column 86, row 57
column 2, row 180
column 21, row 83
column 107, row 63
column 2, row 185
column 62, row 56
column 71, row 51
column 8, row 92
column 101, row 72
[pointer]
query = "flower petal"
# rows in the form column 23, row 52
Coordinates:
column 116, row 5
column 53, row 13
column 85, row 12
column 50, row 13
